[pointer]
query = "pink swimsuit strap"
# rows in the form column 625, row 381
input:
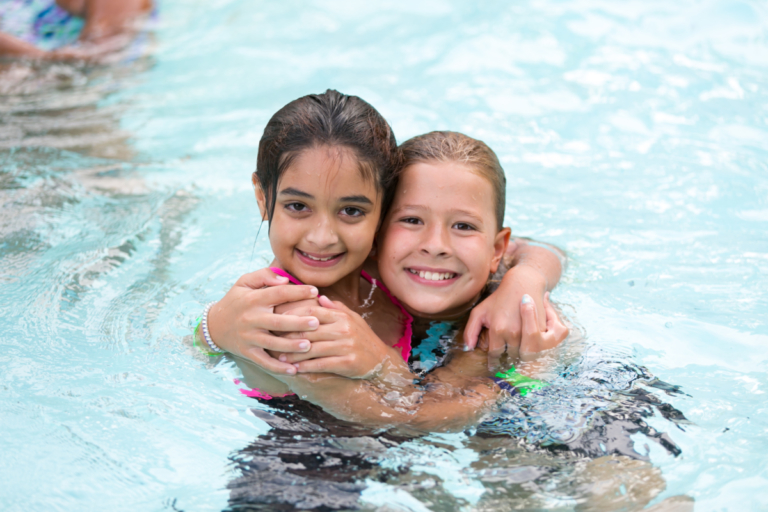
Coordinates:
column 404, row 343
column 283, row 273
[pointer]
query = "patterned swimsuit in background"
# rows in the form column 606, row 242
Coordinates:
column 40, row 22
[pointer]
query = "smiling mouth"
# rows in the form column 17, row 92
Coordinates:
column 432, row 276
column 321, row 259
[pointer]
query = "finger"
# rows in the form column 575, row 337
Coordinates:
column 552, row 318
column 260, row 279
column 319, row 349
column 333, row 304
column 473, row 328
column 268, row 341
column 286, row 293
column 338, row 365
column 482, row 341
column 323, row 315
column 326, row 302
column 269, row 364
column 528, row 313
column 287, row 323
column 497, row 345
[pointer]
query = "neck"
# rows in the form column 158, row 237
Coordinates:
column 346, row 290
column 450, row 315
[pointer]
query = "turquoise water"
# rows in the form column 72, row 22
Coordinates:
column 633, row 135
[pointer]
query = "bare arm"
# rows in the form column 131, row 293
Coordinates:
column 448, row 401
column 14, row 47
column 528, row 269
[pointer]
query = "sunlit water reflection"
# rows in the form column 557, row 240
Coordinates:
column 633, row 136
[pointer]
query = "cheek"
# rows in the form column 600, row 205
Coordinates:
column 359, row 237
column 477, row 254
column 397, row 242
column 284, row 233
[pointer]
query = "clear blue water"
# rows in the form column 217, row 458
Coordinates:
column 633, row 134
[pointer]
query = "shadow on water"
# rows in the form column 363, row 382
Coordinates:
column 571, row 446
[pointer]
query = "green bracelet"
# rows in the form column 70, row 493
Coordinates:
column 517, row 381
column 197, row 344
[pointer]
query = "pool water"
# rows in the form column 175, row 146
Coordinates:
column 633, row 134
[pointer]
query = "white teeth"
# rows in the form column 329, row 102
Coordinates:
column 433, row 276
column 317, row 259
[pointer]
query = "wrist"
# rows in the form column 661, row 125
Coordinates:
column 529, row 277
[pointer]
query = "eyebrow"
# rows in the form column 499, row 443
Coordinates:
column 290, row 191
column 356, row 199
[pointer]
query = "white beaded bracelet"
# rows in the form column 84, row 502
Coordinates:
column 207, row 335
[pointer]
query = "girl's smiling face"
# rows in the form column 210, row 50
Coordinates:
column 440, row 241
column 325, row 217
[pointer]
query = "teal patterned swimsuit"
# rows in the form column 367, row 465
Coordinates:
column 39, row 22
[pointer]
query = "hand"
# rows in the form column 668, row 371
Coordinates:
column 534, row 339
column 241, row 322
column 344, row 344
column 500, row 313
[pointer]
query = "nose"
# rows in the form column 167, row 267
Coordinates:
column 436, row 242
column 323, row 235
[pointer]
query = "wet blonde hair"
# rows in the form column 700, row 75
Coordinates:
column 456, row 147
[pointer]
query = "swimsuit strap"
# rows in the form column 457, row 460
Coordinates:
column 283, row 273
column 404, row 343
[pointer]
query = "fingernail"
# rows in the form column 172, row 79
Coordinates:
column 304, row 345
column 526, row 299
column 314, row 322
column 314, row 291
column 466, row 348
column 291, row 370
column 282, row 279
column 282, row 358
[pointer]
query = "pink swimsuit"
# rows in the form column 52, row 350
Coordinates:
column 404, row 343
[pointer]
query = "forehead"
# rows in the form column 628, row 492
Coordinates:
column 444, row 184
column 325, row 169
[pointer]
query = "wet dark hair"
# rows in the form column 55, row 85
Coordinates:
column 330, row 119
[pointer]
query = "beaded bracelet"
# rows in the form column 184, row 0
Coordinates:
column 213, row 349
column 207, row 335
column 513, row 381
column 195, row 343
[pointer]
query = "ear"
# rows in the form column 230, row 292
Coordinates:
column 499, row 247
column 261, row 198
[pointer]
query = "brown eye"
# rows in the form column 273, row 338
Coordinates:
column 351, row 211
column 463, row 226
column 296, row 207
